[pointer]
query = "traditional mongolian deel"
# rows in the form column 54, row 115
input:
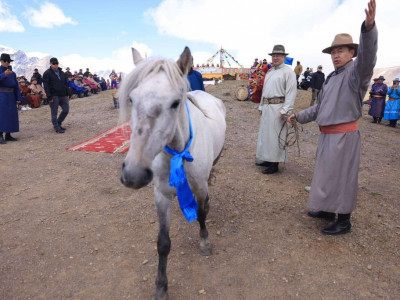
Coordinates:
column 335, row 182
column 279, row 82
column 378, row 96
column 9, row 95
column 392, row 108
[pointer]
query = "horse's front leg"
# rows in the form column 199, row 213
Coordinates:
column 163, row 243
column 202, row 211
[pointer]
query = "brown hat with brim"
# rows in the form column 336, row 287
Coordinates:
column 278, row 49
column 342, row 40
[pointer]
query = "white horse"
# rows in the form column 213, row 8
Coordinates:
column 157, row 91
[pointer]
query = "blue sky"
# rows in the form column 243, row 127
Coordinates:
column 99, row 34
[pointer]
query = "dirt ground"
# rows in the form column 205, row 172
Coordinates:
column 70, row 230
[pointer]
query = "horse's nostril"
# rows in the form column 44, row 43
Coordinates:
column 149, row 174
column 123, row 165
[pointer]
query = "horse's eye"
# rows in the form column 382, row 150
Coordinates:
column 175, row 104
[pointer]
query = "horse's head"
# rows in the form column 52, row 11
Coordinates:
column 155, row 92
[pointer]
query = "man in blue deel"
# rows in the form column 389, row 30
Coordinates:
column 10, row 95
column 195, row 79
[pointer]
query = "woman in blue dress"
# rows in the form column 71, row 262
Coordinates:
column 392, row 108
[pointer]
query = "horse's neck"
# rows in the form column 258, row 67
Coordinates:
column 182, row 133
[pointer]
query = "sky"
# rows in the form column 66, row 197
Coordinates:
column 99, row 34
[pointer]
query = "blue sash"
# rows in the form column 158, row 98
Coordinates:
column 177, row 177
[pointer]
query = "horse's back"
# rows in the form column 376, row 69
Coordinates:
column 214, row 112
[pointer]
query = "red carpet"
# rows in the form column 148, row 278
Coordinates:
column 114, row 140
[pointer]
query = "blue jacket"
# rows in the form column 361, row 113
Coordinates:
column 8, row 102
column 195, row 80
column 392, row 93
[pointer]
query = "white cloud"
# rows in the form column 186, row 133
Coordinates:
column 120, row 60
column 48, row 16
column 8, row 21
column 251, row 29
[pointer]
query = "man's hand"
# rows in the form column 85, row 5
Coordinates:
column 291, row 118
column 8, row 72
column 370, row 14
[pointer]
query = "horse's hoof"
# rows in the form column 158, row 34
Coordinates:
column 206, row 252
column 160, row 295
column 205, row 247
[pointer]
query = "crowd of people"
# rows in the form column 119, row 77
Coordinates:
column 55, row 88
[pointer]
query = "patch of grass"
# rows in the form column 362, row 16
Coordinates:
column 376, row 194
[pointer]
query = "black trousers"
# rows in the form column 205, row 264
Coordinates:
column 59, row 101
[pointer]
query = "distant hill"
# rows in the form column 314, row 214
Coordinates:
column 389, row 73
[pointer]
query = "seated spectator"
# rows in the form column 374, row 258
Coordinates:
column 108, row 84
column 74, row 89
column 304, row 84
column 38, row 90
column 80, row 72
column 103, row 84
column 93, row 87
column 94, row 82
column 25, row 91
column 86, row 73
column 79, row 83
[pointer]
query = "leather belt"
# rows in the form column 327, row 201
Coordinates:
column 377, row 96
column 275, row 100
column 6, row 90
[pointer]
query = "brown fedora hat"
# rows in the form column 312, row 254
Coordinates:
column 342, row 39
column 278, row 49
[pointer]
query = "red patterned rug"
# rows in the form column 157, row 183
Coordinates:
column 114, row 140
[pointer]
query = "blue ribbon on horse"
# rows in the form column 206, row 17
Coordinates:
column 178, row 179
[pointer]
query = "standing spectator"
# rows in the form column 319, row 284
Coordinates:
column 298, row 70
column 80, row 72
column 68, row 72
column 317, row 80
column 306, row 73
column 335, row 182
column 37, row 75
column 9, row 97
column 255, row 64
column 86, row 73
column 195, row 79
column 113, row 76
column 108, row 84
column 392, row 108
column 278, row 96
column 378, row 96
column 56, row 87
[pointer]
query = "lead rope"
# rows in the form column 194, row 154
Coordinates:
column 290, row 132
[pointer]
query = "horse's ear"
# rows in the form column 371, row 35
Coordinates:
column 136, row 56
column 185, row 61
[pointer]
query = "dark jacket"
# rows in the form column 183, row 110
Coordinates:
column 317, row 80
column 38, row 78
column 53, row 85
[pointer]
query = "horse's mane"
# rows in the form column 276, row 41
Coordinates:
column 144, row 70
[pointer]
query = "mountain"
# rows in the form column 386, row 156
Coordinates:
column 389, row 73
column 24, row 64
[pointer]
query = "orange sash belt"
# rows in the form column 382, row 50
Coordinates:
column 377, row 96
column 392, row 99
column 339, row 128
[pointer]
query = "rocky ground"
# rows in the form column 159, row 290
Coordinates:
column 70, row 230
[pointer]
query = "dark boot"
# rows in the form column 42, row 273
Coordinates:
column 2, row 140
column 263, row 164
column 341, row 226
column 379, row 120
column 273, row 168
column 10, row 138
column 322, row 215
column 374, row 120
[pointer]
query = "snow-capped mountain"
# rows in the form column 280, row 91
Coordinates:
column 24, row 64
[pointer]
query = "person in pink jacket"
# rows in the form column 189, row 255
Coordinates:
column 92, row 86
